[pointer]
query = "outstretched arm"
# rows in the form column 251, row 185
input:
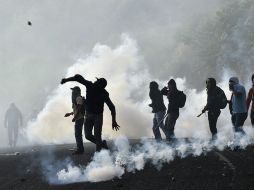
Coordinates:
column 77, row 78
column 111, row 106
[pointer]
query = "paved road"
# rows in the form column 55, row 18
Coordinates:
column 215, row 170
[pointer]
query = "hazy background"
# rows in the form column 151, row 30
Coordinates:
column 190, row 39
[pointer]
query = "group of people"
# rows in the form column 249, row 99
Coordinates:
column 88, row 112
column 91, row 108
column 216, row 100
column 158, row 108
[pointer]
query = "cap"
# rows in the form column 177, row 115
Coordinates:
column 76, row 88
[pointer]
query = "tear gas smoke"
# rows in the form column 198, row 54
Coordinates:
column 108, row 165
column 128, row 82
column 122, row 67
column 134, row 117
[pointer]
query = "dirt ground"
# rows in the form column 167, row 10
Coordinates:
column 21, row 169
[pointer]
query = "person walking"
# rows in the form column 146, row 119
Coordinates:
column 78, row 117
column 238, row 102
column 158, row 108
column 13, row 121
column 176, row 100
column 216, row 100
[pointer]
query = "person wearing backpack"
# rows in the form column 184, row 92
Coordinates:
column 78, row 118
column 216, row 100
column 176, row 100
column 250, row 98
column 158, row 108
column 238, row 101
column 96, row 96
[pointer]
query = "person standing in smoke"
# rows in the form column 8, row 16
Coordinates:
column 158, row 108
column 78, row 117
column 238, row 102
column 215, row 97
column 172, row 94
column 250, row 98
column 13, row 120
column 96, row 96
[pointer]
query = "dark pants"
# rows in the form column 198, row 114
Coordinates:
column 94, row 121
column 170, row 124
column 252, row 118
column 212, row 118
column 238, row 120
column 78, row 134
column 13, row 135
column 158, row 123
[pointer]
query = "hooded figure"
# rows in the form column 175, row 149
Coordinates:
column 238, row 101
column 250, row 98
column 172, row 94
column 159, row 109
column 214, row 97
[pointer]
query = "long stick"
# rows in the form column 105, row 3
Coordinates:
column 166, row 115
column 200, row 114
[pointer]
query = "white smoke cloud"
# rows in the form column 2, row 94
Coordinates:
column 102, row 168
column 108, row 165
column 122, row 68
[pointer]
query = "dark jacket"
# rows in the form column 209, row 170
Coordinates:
column 157, row 100
column 213, row 98
column 172, row 100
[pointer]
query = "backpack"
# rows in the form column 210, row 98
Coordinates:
column 181, row 99
column 222, row 100
column 83, row 106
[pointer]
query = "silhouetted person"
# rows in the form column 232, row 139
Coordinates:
column 13, row 120
column 78, row 118
column 238, row 101
column 159, row 110
column 250, row 98
column 96, row 96
column 172, row 94
column 215, row 96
